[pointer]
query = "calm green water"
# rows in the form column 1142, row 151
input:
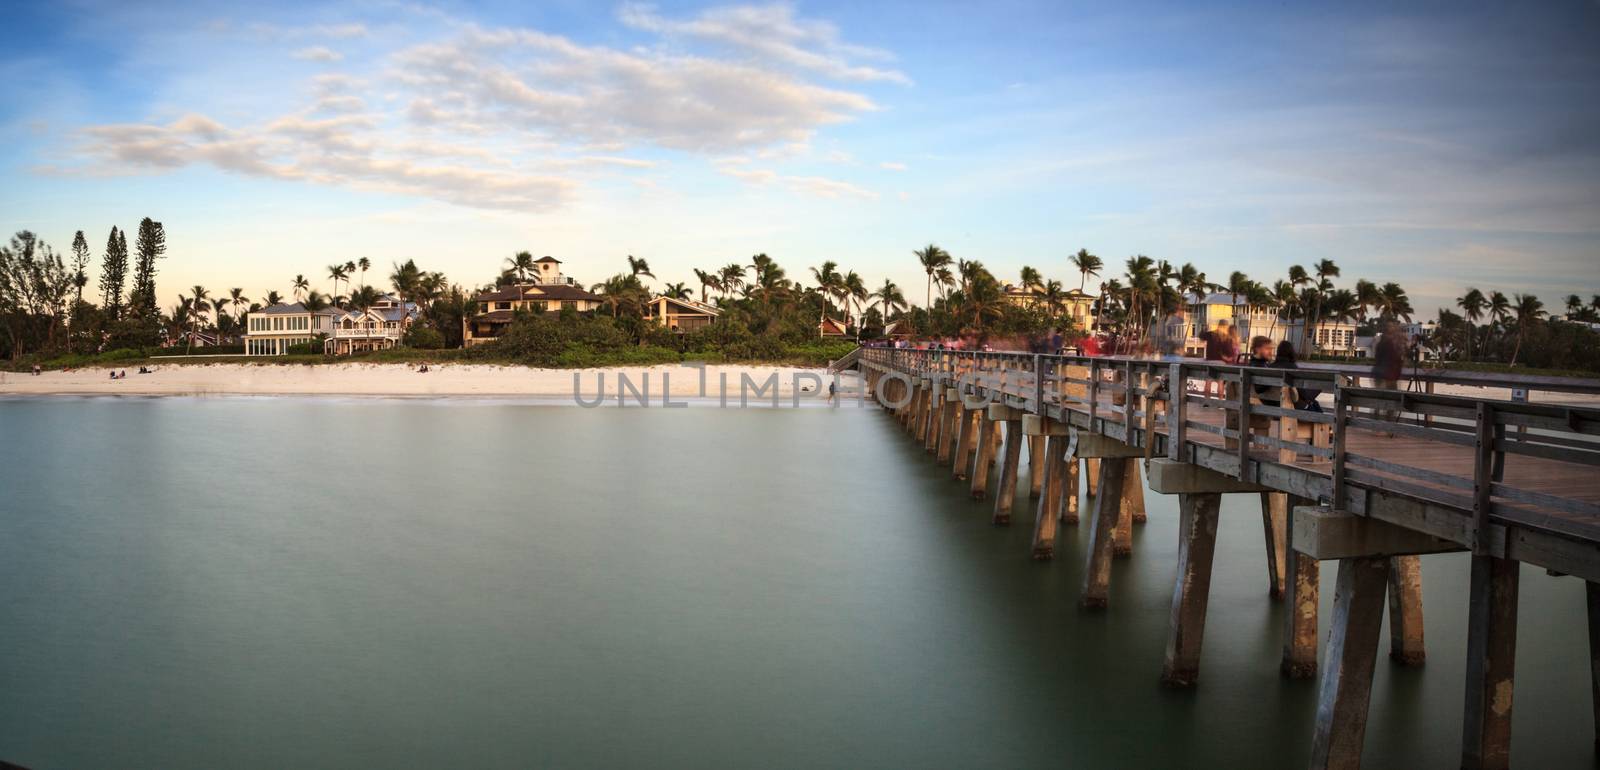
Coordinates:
column 360, row 583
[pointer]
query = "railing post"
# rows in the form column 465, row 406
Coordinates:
column 1177, row 412
column 1094, row 391
column 1482, row 477
column 1244, row 422
column 1038, row 382
column 1338, row 444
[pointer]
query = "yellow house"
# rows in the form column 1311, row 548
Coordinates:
column 684, row 315
column 549, row 292
column 1074, row 304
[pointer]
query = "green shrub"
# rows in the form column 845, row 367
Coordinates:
column 423, row 338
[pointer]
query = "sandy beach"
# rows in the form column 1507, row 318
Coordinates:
column 403, row 380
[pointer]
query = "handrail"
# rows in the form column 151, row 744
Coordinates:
column 1070, row 388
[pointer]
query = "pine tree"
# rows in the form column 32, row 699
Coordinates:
column 152, row 244
column 113, row 274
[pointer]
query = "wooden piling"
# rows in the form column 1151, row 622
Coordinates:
column 1035, row 464
column 1009, row 468
column 1197, row 544
column 966, row 433
column 1302, row 578
column 1107, row 508
column 1346, row 685
column 1491, row 658
column 980, row 464
column 1132, row 501
column 1045, row 518
column 1068, row 506
column 1274, row 524
column 947, row 426
column 1091, row 475
column 1405, row 611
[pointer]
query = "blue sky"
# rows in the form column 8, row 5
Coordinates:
column 1435, row 144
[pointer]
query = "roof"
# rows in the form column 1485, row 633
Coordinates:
column 830, row 326
column 537, row 291
column 498, row 316
column 295, row 309
column 688, row 305
column 547, row 259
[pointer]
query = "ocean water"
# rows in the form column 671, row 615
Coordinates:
column 232, row 582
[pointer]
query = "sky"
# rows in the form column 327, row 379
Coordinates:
column 1439, row 145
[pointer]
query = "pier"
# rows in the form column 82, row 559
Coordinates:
column 1373, row 480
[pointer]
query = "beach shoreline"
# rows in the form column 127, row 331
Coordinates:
column 652, row 383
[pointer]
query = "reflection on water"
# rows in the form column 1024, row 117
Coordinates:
column 271, row 583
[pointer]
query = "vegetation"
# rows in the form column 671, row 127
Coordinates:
column 766, row 315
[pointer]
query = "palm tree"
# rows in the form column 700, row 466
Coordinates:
column 1574, row 304
column 1472, row 305
column 638, row 267
column 337, row 273
column 520, row 265
column 856, row 291
column 622, row 291
column 1030, row 278
column 1053, row 296
column 945, row 280
column 708, row 280
column 364, row 297
column 1087, row 264
column 1341, row 306
column 933, row 259
column 731, row 278
column 829, row 283
column 1393, row 302
column 364, row 264
column 200, row 301
column 677, row 291
column 406, row 278
column 301, row 286
column 889, row 298
column 1529, row 310
column 1325, row 270
column 1366, row 297
column 314, row 301
column 1499, row 308
column 273, row 298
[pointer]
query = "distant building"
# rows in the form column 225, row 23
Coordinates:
column 684, row 315
column 1074, row 303
column 1329, row 336
column 379, row 327
column 272, row 330
column 548, row 292
column 828, row 327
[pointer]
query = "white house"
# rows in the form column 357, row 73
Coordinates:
column 272, row 330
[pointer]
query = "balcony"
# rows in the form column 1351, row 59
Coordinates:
column 366, row 333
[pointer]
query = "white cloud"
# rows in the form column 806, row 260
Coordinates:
column 318, row 53
column 892, row 166
column 770, row 34
column 516, row 118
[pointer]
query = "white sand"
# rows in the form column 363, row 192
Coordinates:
column 404, row 380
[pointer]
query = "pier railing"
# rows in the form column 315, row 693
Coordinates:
column 1315, row 433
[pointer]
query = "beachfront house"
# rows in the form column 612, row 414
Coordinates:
column 684, row 315
column 1329, row 337
column 379, row 327
column 828, row 327
column 548, row 292
column 1074, row 303
column 272, row 330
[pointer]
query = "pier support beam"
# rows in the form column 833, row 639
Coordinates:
column 1045, row 516
column 1131, row 508
column 947, row 423
column 1067, row 508
column 1302, row 590
column 1491, row 655
column 1346, row 687
column 1197, row 544
column 988, row 430
column 1275, row 525
column 1091, row 475
column 1405, row 611
column 1010, row 462
column 966, row 435
column 1107, row 505
column 1035, row 465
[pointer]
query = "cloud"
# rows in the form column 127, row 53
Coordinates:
column 318, row 53
column 340, row 151
column 551, row 85
column 770, row 34
column 515, row 118
column 892, row 166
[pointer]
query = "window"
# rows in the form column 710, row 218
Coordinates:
column 502, row 306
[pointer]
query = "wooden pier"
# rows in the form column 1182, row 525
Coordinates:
column 1374, row 480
